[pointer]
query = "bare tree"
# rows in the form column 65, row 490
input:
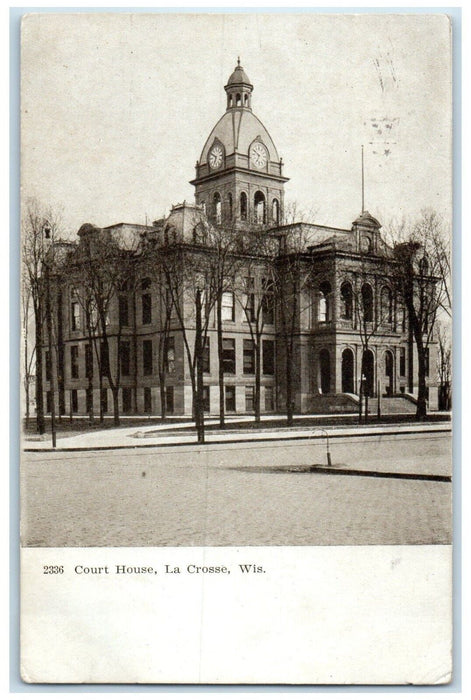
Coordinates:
column 106, row 262
column 40, row 227
column 423, row 251
column 444, row 367
column 292, row 278
column 191, row 285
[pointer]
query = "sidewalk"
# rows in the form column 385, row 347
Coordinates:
column 167, row 435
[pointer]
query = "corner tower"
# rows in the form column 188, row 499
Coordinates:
column 239, row 175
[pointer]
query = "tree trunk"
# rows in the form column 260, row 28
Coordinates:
column 100, row 389
column 421, row 412
column 163, row 396
column 115, row 392
column 289, row 388
column 360, row 402
column 40, row 422
column 257, row 381
column 134, row 352
column 220, row 363
column 199, row 372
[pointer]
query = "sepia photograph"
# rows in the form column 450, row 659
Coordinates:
column 236, row 235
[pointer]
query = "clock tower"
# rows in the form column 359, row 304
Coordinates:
column 239, row 179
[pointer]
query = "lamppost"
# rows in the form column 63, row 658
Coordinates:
column 50, row 364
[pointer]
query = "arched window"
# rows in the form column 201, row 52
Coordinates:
column 348, row 364
column 238, row 100
column 229, row 100
column 386, row 305
column 259, row 207
column 324, row 310
column 366, row 244
column 217, row 207
column 243, row 206
column 423, row 266
column 246, row 100
column 275, row 211
column 229, row 206
column 346, row 301
column 324, row 371
column 367, row 302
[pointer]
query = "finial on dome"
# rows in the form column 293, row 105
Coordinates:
column 238, row 60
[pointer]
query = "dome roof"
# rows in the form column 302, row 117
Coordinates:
column 238, row 76
column 236, row 130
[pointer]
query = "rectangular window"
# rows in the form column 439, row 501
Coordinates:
column 75, row 315
column 146, row 309
column 206, row 404
column 402, row 362
column 74, row 401
column 88, row 361
column 268, row 348
column 249, row 398
column 126, row 399
column 123, row 311
column 147, row 357
column 147, row 400
column 268, row 304
column 104, row 360
column 427, row 361
column 269, row 399
column 104, row 400
column 249, row 357
column 125, row 358
column 230, row 399
column 228, row 356
column 89, row 400
column 170, row 360
column 46, row 366
column 227, row 310
column 206, row 356
column 169, row 406
column 74, row 367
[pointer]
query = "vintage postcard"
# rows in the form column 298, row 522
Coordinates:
column 236, row 457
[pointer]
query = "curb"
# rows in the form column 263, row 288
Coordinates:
column 410, row 431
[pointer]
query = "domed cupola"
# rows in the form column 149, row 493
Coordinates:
column 239, row 174
column 239, row 89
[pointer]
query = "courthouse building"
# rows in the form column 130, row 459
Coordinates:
column 239, row 184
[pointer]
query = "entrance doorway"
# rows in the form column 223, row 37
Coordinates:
column 368, row 372
column 347, row 371
column 388, row 371
column 324, row 368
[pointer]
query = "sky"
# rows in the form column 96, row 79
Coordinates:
column 116, row 109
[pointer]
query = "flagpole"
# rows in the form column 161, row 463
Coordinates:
column 362, row 182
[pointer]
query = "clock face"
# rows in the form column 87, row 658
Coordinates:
column 215, row 157
column 259, row 155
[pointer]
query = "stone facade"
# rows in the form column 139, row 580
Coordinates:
column 239, row 184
